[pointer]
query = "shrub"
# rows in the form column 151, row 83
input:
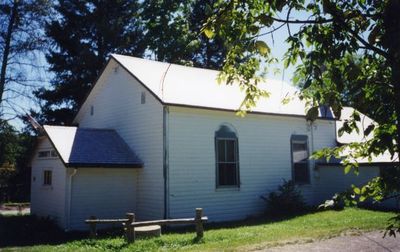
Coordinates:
column 287, row 200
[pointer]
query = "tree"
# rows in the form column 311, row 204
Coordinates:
column 207, row 53
column 174, row 33
column 83, row 34
column 21, row 39
column 346, row 53
column 15, row 153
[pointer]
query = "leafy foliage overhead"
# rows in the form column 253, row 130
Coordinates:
column 346, row 53
column 174, row 33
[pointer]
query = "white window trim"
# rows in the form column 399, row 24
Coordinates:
column 51, row 154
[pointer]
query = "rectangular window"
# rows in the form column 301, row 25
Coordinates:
column 300, row 155
column 53, row 153
column 47, row 177
column 44, row 154
column 47, row 154
column 227, row 162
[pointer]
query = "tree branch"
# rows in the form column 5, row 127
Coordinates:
column 322, row 21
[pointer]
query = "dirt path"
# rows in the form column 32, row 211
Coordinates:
column 366, row 242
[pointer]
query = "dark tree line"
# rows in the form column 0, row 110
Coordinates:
column 84, row 33
column 77, row 37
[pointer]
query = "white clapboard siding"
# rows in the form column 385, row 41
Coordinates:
column 264, row 152
column 116, row 102
column 48, row 201
column 332, row 180
column 102, row 192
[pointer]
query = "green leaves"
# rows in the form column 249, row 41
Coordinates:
column 312, row 113
column 208, row 32
column 369, row 129
column 347, row 168
column 262, row 47
column 265, row 20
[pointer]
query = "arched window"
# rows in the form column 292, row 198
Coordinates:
column 227, row 157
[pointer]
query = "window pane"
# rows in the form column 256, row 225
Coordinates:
column 299, row 146
column 300, row 152
column 301, row 172
column 44, row 153
column 230, row 151
column 47, row 176
column 221, row 150
column 227, row 174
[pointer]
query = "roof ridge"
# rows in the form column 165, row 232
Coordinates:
column 166, row 62
column 98, row 129
column 80, row 128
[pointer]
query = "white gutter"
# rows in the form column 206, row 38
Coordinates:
column 69, row 197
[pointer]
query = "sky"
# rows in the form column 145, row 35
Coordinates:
column 276, row 42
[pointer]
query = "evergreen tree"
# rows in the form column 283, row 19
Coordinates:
column 84, row 33
column 173, row 33
column 208, row 53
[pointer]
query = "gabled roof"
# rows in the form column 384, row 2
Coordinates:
column 179, row 85
column 84, row 147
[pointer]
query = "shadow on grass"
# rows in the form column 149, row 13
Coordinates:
column 250, row 221
column 26, row 230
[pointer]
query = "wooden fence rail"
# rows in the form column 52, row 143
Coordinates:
column 130, row 224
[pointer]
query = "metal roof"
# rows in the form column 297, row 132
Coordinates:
column 355, row 137
column 197, row 87
column 86, row 147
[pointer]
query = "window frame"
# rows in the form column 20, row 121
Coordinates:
column 44, row 154
column 225, row 133
column 49, row 154
column 47, row 177
column 300, row 139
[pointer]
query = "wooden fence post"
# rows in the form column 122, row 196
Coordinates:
column 93, row 231
column 130, row 230
column 199, row 223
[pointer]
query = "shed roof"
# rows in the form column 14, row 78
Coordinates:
column 190, row 86
column 86, row 147
column 359, row 137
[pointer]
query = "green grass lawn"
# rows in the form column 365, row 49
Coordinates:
column 238, row 236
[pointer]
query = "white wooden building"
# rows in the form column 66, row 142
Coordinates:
column 160, row 139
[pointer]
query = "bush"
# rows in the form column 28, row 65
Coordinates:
column 287, row 200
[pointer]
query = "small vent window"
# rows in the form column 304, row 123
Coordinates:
column 47, row 154
column 91, row 110
column 53, row 153
column 44, row 154
column 143, row 98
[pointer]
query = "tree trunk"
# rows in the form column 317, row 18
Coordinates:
column 7, row 46
column 392, row 30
